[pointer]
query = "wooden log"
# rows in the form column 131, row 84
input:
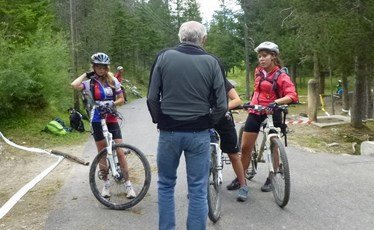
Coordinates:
column 70, row 157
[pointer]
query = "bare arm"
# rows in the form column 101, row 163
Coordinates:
column 77, row 83
column 219, row 91
column 283, row 100
column 234, row 98
column 120, row 100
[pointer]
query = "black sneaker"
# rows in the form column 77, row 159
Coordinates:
column 267, row 187
column 234, row 185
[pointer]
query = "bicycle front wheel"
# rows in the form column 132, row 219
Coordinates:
column 117, row 196
column 214, row 189
column 280, row 179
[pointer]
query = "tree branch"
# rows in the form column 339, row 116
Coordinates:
column 283, row 21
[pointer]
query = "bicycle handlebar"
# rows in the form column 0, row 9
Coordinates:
column 260, row 108
column 240, row 107
column 106, row 109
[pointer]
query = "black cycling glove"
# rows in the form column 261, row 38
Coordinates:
column 272, row 106
column 89, row 75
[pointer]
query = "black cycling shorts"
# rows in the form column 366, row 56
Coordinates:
column 253, row 122
column 227, row 132
column 113, row 128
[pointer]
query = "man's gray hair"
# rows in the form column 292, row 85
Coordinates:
column 192, row 32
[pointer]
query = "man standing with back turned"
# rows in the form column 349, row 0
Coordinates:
column 186, row 96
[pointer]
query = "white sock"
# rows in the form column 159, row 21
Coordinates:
column 128, row 183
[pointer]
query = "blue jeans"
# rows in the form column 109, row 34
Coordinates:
column 196, row 150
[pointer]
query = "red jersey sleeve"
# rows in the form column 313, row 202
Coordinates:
column 287, row 87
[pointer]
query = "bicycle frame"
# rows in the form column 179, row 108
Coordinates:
column 215, row 177
column 275, row 156
column 111, row 155
column 219, row 155
column 266, row 126
column 266, row 140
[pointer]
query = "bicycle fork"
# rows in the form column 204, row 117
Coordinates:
column 268, row 159
column 219, row 166
column 111, row 158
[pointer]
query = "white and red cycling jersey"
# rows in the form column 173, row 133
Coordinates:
column 101, row 93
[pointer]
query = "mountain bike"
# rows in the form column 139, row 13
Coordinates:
column 132, row 88
column 110, row 169
column 217, row 160
column 271, row 150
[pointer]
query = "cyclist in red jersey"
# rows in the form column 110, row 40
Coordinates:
column 120, row 78
column 119, row 73
column 266, row 93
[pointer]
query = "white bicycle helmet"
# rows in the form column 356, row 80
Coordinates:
column 119, row 68
column 100, row 58
column 267, row 46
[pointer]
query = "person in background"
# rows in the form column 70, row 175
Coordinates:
column 339, row 88
column 119, row 73
column 186, row 97
column 106, row 91
column 266, row 94
column 120, row 79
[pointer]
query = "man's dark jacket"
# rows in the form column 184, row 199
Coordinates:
column 186, row 89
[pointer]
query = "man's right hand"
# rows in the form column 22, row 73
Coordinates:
column 89, row 75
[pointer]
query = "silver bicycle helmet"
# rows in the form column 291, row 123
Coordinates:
column 100, row 58
column 267, row 46
column 119, row 68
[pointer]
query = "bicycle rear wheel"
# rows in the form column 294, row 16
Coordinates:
column 139, row 175
column 252, row 169
column 214, row 189
column 280, row 179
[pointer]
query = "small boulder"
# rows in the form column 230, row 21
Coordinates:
column 367, row 148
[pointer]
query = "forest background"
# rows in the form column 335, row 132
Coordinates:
column 45, row 44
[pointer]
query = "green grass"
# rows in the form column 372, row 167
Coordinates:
column 27, row 130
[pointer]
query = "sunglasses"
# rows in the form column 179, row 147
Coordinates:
column 101, row 66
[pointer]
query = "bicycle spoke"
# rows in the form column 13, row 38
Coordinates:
column 118, row 194
column 214, row 189
column 280, row 178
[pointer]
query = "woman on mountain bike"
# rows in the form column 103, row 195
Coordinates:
column 272, row 86
column 105, row 90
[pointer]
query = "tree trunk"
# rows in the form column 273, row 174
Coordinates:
column 369, row 95
column 293, row 74
column 347, row 100
column 359, row 94
column 365, row 99
column 321, row 84
column 73, row 50
column 316, row 71
column 245, row 7
column 312, row 99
